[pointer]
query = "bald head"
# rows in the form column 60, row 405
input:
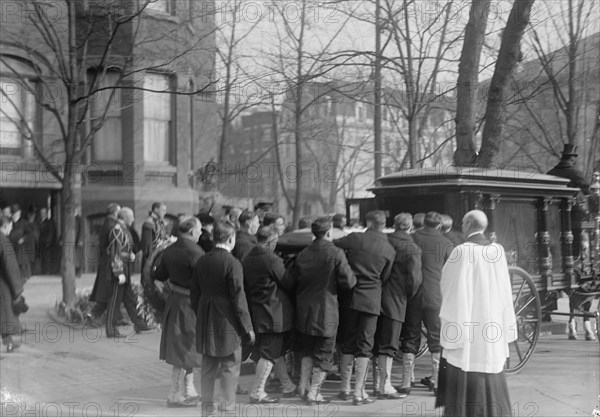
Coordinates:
column 474, row 221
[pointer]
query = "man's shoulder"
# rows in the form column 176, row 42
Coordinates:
column 187, row 245
column 402, row 241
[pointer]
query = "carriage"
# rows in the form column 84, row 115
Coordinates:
column 530, row 214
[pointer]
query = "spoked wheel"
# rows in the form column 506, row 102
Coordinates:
column 528, row 311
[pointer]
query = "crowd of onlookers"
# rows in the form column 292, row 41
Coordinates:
column 35, row 239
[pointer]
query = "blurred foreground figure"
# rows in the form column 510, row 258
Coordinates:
column 11, row 288
column 222, row 319
column 178, row 339
column 478, row 322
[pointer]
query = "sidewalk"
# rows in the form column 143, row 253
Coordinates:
column 74, row 371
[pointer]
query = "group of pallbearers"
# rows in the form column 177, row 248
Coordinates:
column 240, row 294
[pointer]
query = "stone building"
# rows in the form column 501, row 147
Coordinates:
column 158, row 129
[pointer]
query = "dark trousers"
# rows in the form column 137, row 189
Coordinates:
column 271, row 346
column 431, row 319
column 360, row 338
column 410, row 337
column 387, row 336
column 122, row 294
column 228, row 367
column 320, row 349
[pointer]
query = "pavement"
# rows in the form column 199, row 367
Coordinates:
column 63, row 370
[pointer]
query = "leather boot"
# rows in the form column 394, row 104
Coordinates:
column 572, row 330
column 377, row 387
column 305, row 373
column 289, row 388
column 314, row 396
column 191, row 395
column 346, row 363
column 362, row 371
column 258, row 394
column 408, row 365
column 589, row 333
column 388, row 392
column 435, row 367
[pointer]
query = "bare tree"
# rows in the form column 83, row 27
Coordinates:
column 556, row 93
column 424, row 46
column 508, row 58
column 299, row 65
column 233, row 31
column 467, row 84
column 73, row 47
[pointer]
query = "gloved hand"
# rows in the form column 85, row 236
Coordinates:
column 132, row 257
column 121, row 279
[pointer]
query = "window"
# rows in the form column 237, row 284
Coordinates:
column 17, row 107
column 161, row 6
column 108, row 141
column 157, row 118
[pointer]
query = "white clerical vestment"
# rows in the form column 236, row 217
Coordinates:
column 477, row 315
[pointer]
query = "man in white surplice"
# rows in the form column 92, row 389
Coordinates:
column 478, row 322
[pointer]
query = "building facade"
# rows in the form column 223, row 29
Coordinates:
column 337, row 147
column 150, row 116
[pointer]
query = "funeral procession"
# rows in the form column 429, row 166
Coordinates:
column 300, row 208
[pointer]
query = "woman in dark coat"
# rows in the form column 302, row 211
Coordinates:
column 178, row 340
column 11, row 287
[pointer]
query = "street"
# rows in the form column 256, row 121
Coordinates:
column 70, row 371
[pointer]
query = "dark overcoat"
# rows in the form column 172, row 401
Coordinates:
column 405, row 277
column 219, row 300
column 178, row 338
column 103, row 284
column 316, row 276
column 11, row 286
column 270, row 306
column 435, row 251
column 22, row 230
column 456, row 237
column 244, row 242
column 371, row 257
column 206, row 241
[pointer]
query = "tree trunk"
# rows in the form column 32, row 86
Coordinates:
column 413, row 141
column 68, row 203
column 508, row 58
column 298, row 108
column 299, row 159
column 466, row 89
